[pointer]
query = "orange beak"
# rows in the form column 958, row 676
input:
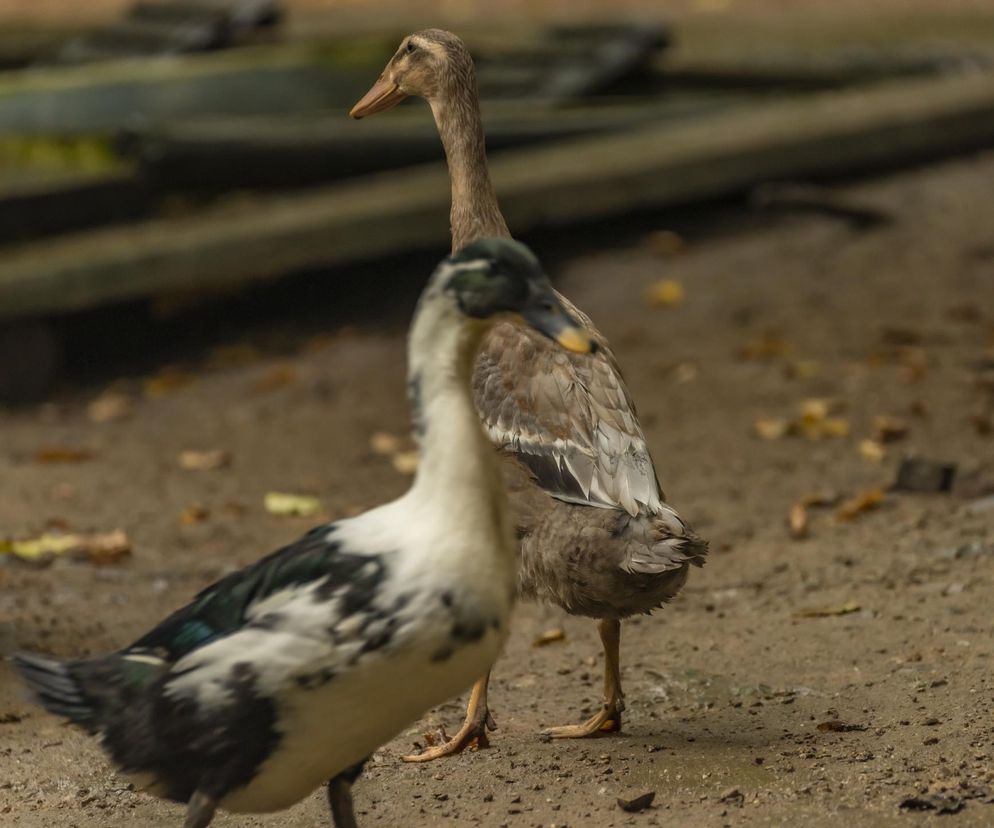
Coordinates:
column 384, row 95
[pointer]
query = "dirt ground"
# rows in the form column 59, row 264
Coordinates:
column 731, row 687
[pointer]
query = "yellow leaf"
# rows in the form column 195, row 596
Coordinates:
column 549, row 637
column 797, row 521
column 286, row 504
column 863, row 502
column 872, row 450
column 203, row 460
column 62, row 454
column 847, row 608
column 194, row 513
column 108, row 407
column 771, row 428
column 665, row 293
column 385, row 444
column 99, row 548
column 406, row 462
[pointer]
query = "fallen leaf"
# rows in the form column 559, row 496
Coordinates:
column 99, row 548
column 797, row 521
column 194, row 513
column 872, row 450
column 295, row 505
column 406, row 462
column 203, row 460
column 109, row 407
column 639, row 803
column 863, row 502
column 549, row 637
column 279, row 376
column 889, row 429
column 828, row 612
column 385, row 444
column 665, row 293
column 772, row 428
column 106, row 548
column 167, row 381
column 62, row 454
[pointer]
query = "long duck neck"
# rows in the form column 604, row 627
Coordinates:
column 458, row 467
column 475, row 213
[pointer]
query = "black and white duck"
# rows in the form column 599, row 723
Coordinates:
column 597, row 536
column 291, row 672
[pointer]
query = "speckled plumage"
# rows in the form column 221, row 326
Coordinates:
column 290, row 672
column 597, row 537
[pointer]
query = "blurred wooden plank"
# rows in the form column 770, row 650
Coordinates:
column 818, row 135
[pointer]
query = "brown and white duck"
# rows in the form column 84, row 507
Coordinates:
column 597, row 537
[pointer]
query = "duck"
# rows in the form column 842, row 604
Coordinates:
column 597, row 537
column 289, row 673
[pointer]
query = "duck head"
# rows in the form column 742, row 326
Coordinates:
column 494, row 278
column 429, row 64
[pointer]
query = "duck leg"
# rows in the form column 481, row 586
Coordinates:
column 340, row 796
column 199, row 811
column 608, row 718
column 474, row 729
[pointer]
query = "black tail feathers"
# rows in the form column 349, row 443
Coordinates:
column 55, row 688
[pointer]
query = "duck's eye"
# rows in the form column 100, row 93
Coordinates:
column 412, row 47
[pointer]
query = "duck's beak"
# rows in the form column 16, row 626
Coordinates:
column 546, row 315
column 384, row 95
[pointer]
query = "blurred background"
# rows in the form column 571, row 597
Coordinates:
column 779, row 213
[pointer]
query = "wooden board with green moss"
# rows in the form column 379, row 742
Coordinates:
column 659, row 164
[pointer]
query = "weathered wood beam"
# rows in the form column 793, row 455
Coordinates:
column 660, row 164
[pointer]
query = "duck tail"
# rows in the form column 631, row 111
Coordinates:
column 56, row 688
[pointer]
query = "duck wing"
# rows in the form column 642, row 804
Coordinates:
column 568, row 418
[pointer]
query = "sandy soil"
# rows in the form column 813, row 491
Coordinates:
column 728, row 686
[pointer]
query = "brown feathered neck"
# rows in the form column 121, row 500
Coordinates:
column 475, row 213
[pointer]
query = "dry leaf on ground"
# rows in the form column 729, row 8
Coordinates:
column 665, row 293
column 872, row 450
column 863, row 502
column 406, row 462
column 293, row 505
column 549, row 637
column 797, row 521
column 203, row 460
column 62, row 454
column 109, row 407
column 103, row 548
column 194, row 513
column 827, row 612
column 385, row 444
column 772, row 428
